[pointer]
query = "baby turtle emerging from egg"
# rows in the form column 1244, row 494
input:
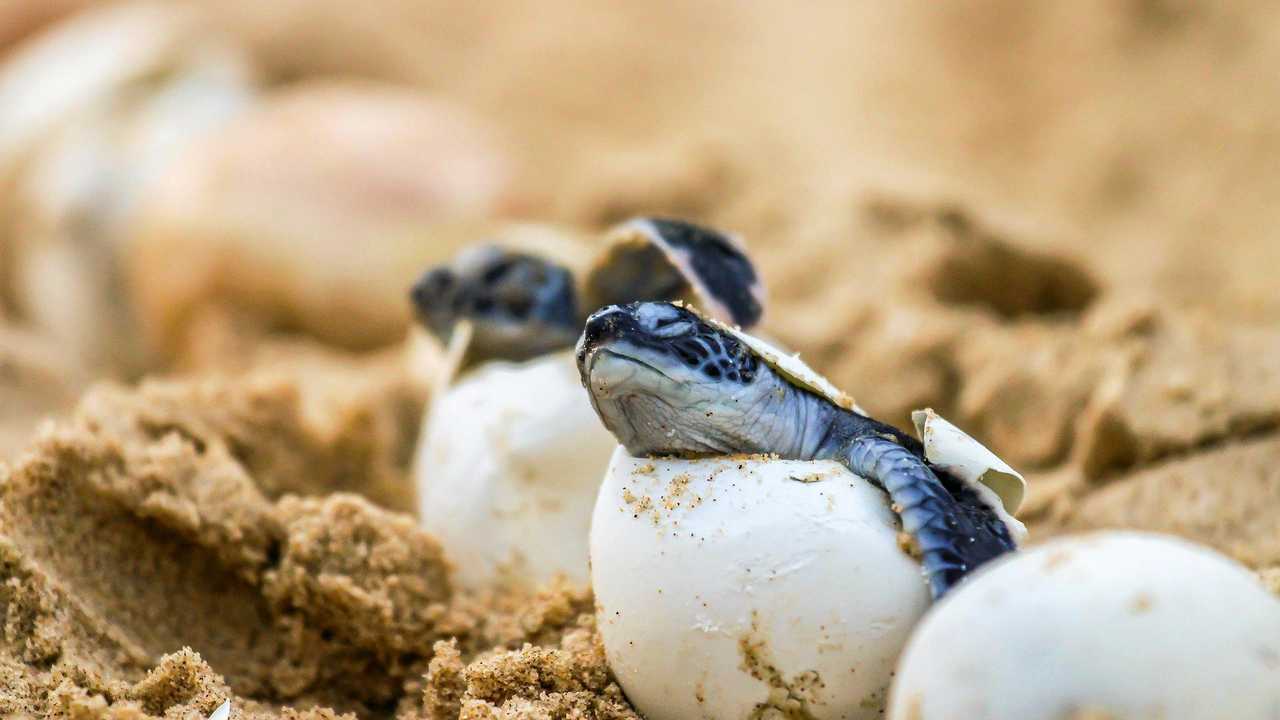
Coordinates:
column 521, row 305
column 667, row 381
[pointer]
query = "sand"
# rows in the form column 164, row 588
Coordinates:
column 246, row 534
column 211, row 515
column 1052, row 223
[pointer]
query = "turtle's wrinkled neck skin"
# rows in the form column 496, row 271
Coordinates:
column 665, row 382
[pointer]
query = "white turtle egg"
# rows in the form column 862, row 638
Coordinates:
column 507, row 471
column 731, row 586
column 1111, row 624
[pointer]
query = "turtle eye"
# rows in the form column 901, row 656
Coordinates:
column 519, row 308
column 495, row 272
column 662, row 320
column 673, row 327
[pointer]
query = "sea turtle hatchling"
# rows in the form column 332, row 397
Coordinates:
column 521, row 304
column 668, row 381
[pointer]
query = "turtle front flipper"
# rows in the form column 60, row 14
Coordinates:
column 955, row 530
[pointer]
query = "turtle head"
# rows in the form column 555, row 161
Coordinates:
column 519, row 305
column 667, row 382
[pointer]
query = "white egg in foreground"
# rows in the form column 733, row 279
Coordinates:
column 1121, row 624
column 726, row 586
column 507, row 471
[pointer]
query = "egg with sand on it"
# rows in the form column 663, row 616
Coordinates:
column 741, row 566
column 508, row 469
column 511, row 452
column 732, row 584
column 1112, row 624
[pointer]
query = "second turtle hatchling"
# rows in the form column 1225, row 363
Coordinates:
column 511, row 454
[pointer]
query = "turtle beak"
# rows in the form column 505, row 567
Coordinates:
column 604, row 326
column 431, row 297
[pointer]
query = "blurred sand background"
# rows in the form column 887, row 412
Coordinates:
column 1053, row 222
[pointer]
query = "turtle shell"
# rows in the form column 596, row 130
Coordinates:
column 945, row 445
column 788, row 365
column 650, row 258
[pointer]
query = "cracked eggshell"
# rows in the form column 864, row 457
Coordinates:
column 949, row 447
column 223, row 712
column 1122, row 624
column 712, row 268
column 729, row 586
column 507, row 471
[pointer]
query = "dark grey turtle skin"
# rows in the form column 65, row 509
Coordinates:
column 666, row 382
column 521, row 306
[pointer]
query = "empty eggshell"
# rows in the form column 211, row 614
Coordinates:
column 949, row 447
column 1119, row 624
column 735, row 586
column 507, row 471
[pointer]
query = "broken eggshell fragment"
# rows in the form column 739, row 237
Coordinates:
column 223, row 712
column 950, row 448
column 731, row 586
column 656, row 258
column 511, row 452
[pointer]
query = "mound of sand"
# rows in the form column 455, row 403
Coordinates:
column 171, row 546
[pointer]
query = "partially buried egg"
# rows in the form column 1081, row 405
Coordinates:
column 1106, row 625
column 732, row 586
column 513, row 453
